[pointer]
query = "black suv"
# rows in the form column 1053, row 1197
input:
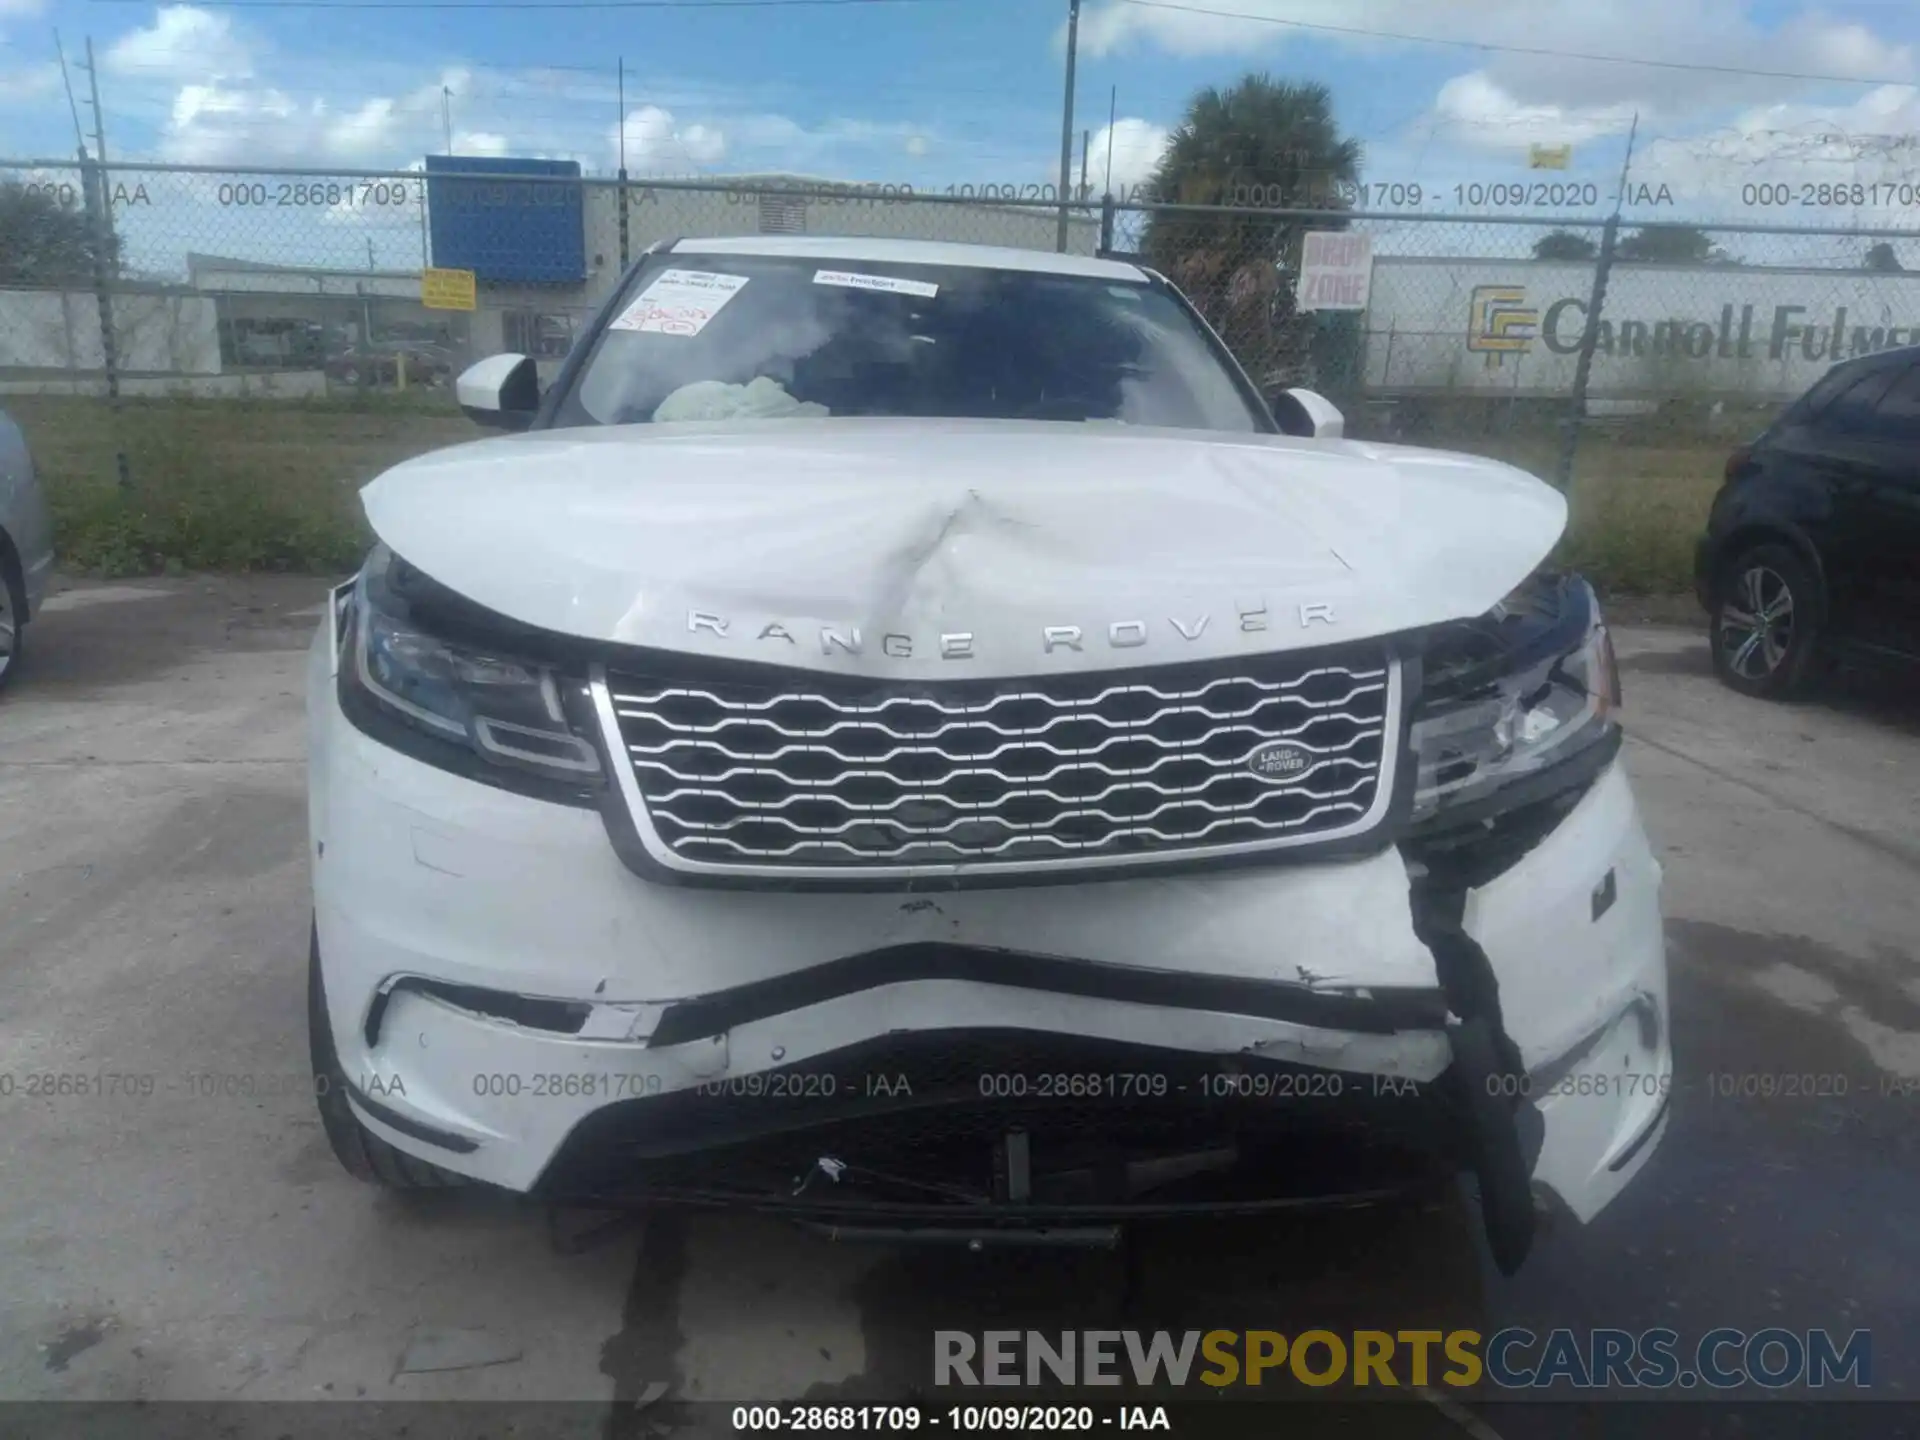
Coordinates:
column 1813, row 546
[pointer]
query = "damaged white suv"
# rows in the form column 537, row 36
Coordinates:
column 910, row 743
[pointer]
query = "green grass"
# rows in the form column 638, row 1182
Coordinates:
column 1636, row 512
column 220, row 484
column 271, row 484
column 1636, row 505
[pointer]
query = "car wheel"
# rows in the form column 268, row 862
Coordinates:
column 1766, row 623
column 13, row 607
column 363, row 1154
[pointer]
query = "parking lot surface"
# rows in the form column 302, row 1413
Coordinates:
column 199, row 1242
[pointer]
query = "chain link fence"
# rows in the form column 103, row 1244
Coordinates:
column 262, row 341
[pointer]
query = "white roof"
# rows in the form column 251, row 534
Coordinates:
column 910, row 252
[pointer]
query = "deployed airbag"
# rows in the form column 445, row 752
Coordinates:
column 759, row 399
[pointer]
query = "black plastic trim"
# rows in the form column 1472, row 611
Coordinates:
column 1640, row 1141
column 1380, row 1012
column 1000, row 1223
column 413, row 1129
column 1605, row 893
column 535, row 1012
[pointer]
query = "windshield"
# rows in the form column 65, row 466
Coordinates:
column 724, row 337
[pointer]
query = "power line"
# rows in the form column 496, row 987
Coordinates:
column 1535, row 50
column 532, row 4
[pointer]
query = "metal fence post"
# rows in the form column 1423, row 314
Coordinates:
column 1589, row 340
column 623, row 218
column 93, row 186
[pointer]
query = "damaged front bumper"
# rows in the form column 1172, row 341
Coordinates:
column 511, row 1003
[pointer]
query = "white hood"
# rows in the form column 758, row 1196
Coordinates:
column 795, row 541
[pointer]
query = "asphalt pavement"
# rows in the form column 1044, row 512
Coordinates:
column 199, row 1243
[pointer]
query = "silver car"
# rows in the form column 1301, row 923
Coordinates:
column 26, row 544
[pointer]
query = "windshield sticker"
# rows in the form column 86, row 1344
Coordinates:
column 848, row 280
column 679, row 302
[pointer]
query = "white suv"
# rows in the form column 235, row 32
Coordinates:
column 906, row 742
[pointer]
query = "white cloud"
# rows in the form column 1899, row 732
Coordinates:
column 364, row 133
column 839, row 149
column 1136, row 147
column 1708, row 32
column 480, row 142
column 209, row 125
column 29, row 84
column 196, row 89
column 654, row 141
column 183, row 43
column 1872, row 141
column 1475, row 110
column 1114, row 26
column 215, row 123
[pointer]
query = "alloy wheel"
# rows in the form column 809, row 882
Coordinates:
column 1756, row 623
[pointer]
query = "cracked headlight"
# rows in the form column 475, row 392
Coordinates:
column 1517, row 705
column 419, row 673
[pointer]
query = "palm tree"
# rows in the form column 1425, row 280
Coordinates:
column 1564, row 245
column 1670, row 245
column 1263, row 146
column 47, row 239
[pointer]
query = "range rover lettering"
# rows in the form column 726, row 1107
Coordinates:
column 938, row 663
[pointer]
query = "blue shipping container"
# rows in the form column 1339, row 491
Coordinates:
column 531, row 233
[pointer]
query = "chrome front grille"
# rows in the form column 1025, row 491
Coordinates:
column 829, row 775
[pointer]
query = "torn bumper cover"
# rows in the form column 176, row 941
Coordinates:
column 509, row 1002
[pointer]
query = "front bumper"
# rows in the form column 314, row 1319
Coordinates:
column 509, row 1001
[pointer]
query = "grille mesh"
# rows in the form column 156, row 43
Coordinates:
column 851, row 775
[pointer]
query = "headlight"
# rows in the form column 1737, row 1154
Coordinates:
column 1517, row 705
column 454, row 701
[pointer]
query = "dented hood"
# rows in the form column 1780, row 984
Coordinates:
column 950, row 548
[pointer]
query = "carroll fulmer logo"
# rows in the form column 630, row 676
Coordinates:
column 1500, row 322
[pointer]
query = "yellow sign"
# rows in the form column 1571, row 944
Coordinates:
column 447, row 289
column 1549, row 157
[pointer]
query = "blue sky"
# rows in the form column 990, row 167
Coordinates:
column 968, row 91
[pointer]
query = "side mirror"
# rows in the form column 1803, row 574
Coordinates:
column 502, row 391
column 1301, row 412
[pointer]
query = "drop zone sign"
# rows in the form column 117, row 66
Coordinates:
column 1516, row 327
column 1336, row 269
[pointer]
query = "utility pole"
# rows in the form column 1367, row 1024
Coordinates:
column 99, row 125
column 622, row 63
column 1086, row 144
column 446, row 115
column 93, row 176
column 73, row 109
column 100, row 151
column 1596, row 304
column 1113, row 107
column 1066, row 118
